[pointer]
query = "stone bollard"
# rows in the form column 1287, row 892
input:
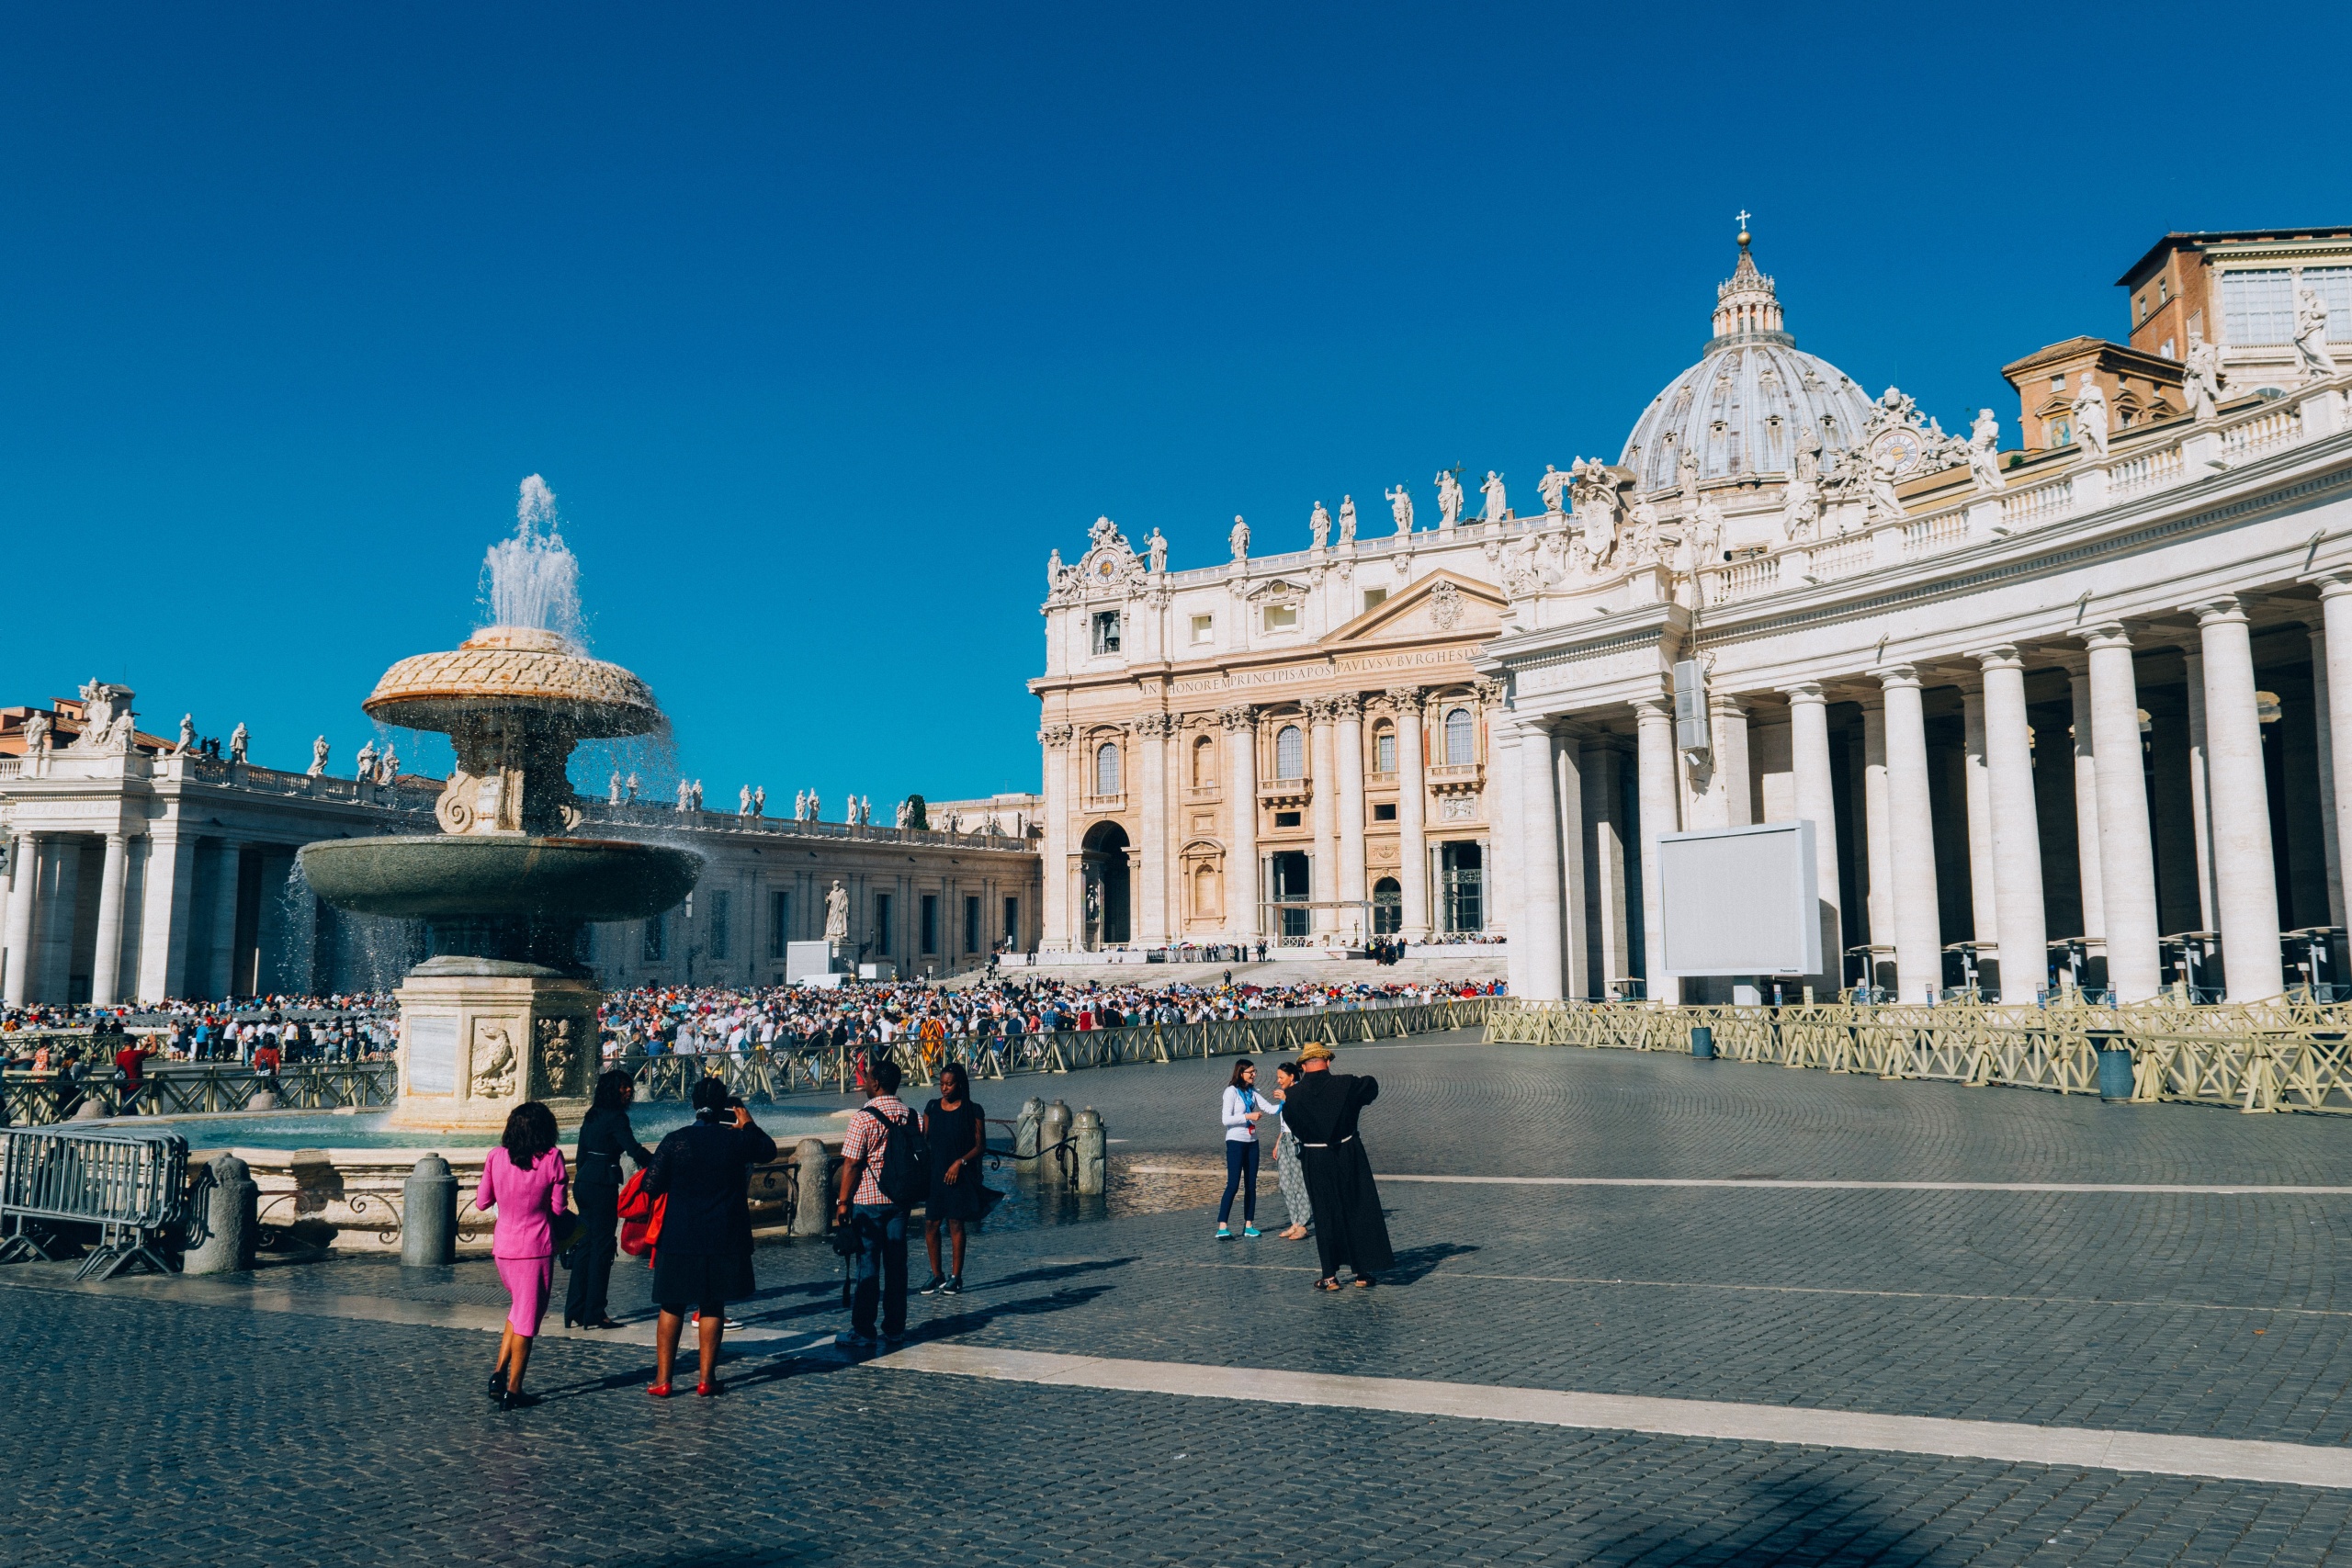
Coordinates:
column 261, row 1101
column 429, row 1215
column 90, row 1110
column 1024, row 1128
column 1053, row 1128
column 1092, row 1150
column 812, row 1208
column 231, row 1220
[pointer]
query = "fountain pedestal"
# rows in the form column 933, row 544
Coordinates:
column 479, row 1036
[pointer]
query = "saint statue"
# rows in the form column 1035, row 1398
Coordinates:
column 1157, row 548
column 1400, row 507
column 1053, row 570
column 367, row 773
column 1239, row 538
column 1878, row 479
column 1347, row 521
column 905, row 814
column 760, row 801
column 816, row 812
column 37, row 734
column 1320, row 525
column 1550, row 487
column 319, row 757
column 388, row 767
column 2200, row 376
column 1497, row 508
column 1985, row 452
column 1800, row 504
column 630, row 787
column 800, row 806
column 188, row 734
column 685, row 795
column 1449, row 500
column 2311, row 356
column 1686, row 481
column 2090, row 418
column 743, row 801
column 237, row 739
column 612, row 790
column 837, row 914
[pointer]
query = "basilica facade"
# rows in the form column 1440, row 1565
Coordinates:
column 2070, row 709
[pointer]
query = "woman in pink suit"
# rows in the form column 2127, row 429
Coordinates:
column 523, row 1180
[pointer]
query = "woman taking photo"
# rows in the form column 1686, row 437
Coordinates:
column 704, row 1259
column 957, row 1130
column 523, row 1181
column 604, row 1136
column 1240, row 1114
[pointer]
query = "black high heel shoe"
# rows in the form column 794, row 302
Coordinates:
column 498, row 1382
column 515, row 1400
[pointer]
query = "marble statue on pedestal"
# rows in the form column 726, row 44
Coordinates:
column 1053, row 570
column 743, row 801
column 2311, row 356
column 2200, row 378
column 1449, row 500
column 1400, row 507
column 760, row 800
column 1595, row 485
column 1319, row 525
column 1686, row 481
column 1878, row 481
column 37, row 734
column 238, row 740
column 800, row 806
column 630, row 787
column 837, row 914
column 1157, row 549
column 1801, row 504
column 319, row 757
column 1497, row 506
column 697, row 795
column 905, row 814
column 1985, row 452
column 816, row 812
column 367, row 761
column 2090, row 418
column 388, row 766
column 1347, row 521
column 1239, row 538
column 685, row 794
column 1550, row 487
column 188, row 734
column 612, row 790
column 1646, row 544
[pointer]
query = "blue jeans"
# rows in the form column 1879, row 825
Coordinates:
column 1240, row 1170
column 879, row 1268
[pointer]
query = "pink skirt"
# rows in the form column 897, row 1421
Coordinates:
column 528, row 1280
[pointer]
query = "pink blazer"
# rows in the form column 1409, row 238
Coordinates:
column 526, row 1201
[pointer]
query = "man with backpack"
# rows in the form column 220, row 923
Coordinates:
column 883, row 1177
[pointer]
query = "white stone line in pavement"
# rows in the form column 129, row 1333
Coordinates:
column 1828, row 1184
column 2290, row 1464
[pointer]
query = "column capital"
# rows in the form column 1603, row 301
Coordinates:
column 2106, row 634
column 1240, row 716
column 2221, row 609
column 1406, row 699
column 1320, row 710
column 1727, row 702
column 2332, row 582
column 1893, row 677
column 1487, row 690
column 1806, row 692
column 1154, row 724
column 2001, row 656
column 1054, row 737
column 1653, row 707
column 1347, row 707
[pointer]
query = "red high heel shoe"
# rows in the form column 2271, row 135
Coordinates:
column 659, row 1389
column 707, row 1389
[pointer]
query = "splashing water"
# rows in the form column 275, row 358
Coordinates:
column 533, row 580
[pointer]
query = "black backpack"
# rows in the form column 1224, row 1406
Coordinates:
column 905, row 1173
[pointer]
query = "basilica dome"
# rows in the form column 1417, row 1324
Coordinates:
column 1743, row 407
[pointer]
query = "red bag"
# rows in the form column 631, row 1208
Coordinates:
column 641, row 1218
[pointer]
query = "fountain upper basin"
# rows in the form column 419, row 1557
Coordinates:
column 497, row 876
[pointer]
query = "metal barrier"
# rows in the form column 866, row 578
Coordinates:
column 2290, row 1054
column 131, row 1184
column 179, row 1088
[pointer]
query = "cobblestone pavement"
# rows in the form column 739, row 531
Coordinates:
column 191, row 1421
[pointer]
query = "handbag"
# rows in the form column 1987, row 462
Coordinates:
column 563, row 1233
column 640, row 1215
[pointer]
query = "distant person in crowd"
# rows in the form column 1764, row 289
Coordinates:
column 1290, row 1168
column 129, row 1065
column 956, row 1130
column 1240, row 1111
column 604, row 1136
column 523, row 1180
column 878, row 1272
column 703, row 1260
column 1322, row 1111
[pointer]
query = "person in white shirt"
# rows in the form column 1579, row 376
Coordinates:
column 1241, row 1111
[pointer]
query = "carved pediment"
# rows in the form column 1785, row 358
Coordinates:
column 1277, row 590
column 1439, row 605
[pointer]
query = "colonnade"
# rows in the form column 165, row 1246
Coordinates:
column 43, row 935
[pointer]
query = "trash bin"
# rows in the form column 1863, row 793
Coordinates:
column 2114, row 1066
column 1703, row 1042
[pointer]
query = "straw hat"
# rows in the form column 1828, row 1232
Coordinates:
column 1316, row 1051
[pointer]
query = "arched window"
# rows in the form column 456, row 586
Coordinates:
column 1106, row 768
column 1384, row 749
column 1204, row 898
column 1204, row 763
column 1461, row 737
column 1290, row 753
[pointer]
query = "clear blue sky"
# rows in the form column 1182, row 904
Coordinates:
column 826, row 324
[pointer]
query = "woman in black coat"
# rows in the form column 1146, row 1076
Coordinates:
column 702, row 1259
column 1321, row 1110
column 604, row 1136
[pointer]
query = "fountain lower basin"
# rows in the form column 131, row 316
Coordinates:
column 506, row 876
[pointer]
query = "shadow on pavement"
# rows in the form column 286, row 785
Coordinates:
column 1414, row 1262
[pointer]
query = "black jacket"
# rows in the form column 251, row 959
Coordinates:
column 604, row 1136
column 704, row 1168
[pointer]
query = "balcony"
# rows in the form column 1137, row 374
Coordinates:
column 1456, row 778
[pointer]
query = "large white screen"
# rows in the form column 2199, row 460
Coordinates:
column 1740, row 901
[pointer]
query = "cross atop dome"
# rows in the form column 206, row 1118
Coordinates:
column 1745, row 304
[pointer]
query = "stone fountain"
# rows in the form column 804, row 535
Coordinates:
column 502, row 1011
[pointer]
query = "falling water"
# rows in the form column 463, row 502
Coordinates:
column 532, row 580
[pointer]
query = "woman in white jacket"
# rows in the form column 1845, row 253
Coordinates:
column 1242, row 1109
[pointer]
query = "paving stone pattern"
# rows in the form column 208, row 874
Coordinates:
column 212, row 1434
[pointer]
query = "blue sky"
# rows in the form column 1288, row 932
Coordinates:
column 826, row 324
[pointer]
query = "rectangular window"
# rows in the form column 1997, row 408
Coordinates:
column 657, row 937
column 930, row 922
column 779, row 923
column 1385, row 812
column 882, row 924
column 1203, row 629
column 1106, row 631
column 719, row 900
column 2258, row 307
column 1285, row 819
column 1282, row 617
column 972, row 923
column 1375, row 596
column 2334, row 287
column 1383, row 751
column 1013, row 922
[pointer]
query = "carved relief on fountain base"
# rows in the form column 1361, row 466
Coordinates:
column 474, row 1046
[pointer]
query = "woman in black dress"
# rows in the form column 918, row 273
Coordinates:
column 957, row 1130
column 605, row 1136
column 704, row 1256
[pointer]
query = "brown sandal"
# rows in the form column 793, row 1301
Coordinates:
column 1326, row 1284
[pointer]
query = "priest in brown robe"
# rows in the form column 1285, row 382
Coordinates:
column 1322, row 1111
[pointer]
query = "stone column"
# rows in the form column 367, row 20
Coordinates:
column 1983, row 908
column 105, row 968
column 1347, row 741
column 1737, row 790
column 2201, row 804
column 1817, row 804
column 1501, row 808
column 1877, row 835
column 1240, row 725
column 1918, row 932
column 2127, row 866
column 2014, row 830
column 1660, row 814
column 2335, row 757
column 1537, row 927
column 24, row 871
column 1153, row 809
column 1568, row 826
column 1502, row 893
column 61, row 889
column 1323, row 814
column 2323, row 711
column 1604, row 848
column 1060, row 917
column 2087, row 805
column 1412, row 799
column 221, row 972
column 2245, row 888
column 163, row 914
